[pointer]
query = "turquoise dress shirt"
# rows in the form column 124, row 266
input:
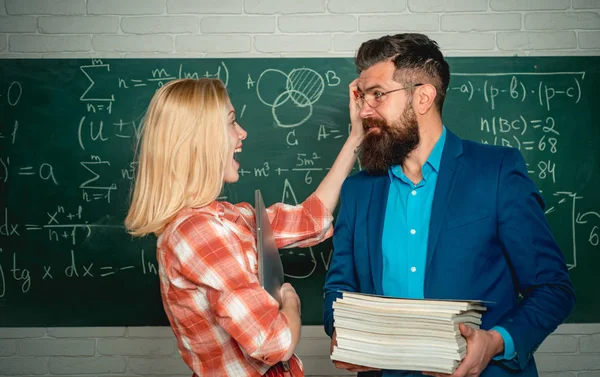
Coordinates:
column 405, row 235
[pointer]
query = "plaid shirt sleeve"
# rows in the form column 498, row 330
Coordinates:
column 210, row 256
column 301, row 225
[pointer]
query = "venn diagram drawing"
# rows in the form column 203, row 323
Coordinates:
column 303, row 88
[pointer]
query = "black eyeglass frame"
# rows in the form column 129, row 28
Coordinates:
column 361, row 97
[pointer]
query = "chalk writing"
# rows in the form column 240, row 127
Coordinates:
column 68, row 138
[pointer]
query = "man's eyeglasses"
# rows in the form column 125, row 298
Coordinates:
column 375, row 98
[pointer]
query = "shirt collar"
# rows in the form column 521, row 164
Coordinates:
column 215, row 208
column 435, row 157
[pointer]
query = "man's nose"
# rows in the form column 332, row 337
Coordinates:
column 366, row 111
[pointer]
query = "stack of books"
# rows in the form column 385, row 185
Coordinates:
column 402, row 334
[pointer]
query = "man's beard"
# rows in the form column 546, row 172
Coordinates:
column 392, row 144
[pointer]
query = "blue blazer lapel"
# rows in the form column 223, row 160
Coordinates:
column 375, row 219
column 443, row 192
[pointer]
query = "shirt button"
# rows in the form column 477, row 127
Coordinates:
column 413, row 269
column 412, row 231
column 414, row 192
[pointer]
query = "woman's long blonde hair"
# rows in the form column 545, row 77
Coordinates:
column 182, row 153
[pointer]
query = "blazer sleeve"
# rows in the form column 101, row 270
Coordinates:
column 539, row 267
column 341, row 275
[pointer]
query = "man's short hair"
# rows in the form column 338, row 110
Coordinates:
column 417, row 59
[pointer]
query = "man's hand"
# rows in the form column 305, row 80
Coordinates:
column 341, row 365
column 481, row 347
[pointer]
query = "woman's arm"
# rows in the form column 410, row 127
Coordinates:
column 290, row 308
column 329, row 189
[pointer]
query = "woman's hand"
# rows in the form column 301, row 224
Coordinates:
column 357, row 130
column 290, row 308
column 289, row 297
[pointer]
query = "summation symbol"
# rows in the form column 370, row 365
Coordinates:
column 89, row 95
column 92, row 183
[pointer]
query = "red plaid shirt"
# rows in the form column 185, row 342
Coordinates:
column 226, row 324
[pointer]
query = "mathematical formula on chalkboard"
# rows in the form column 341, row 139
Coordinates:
column 67, row 159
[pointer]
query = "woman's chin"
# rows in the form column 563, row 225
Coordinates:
column 232, row 176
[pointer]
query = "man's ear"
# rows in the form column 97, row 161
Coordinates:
column 424, row 98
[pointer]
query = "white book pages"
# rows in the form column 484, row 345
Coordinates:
column 453, row 342
column 349, row 333
column 385, row 321
column 415, row 364
column 449, row 304
column 402, row 351
column 468, row 316
column 375, row 333
column 391, row 327
column 408, row 307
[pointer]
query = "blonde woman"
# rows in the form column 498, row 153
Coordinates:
column 225, row 323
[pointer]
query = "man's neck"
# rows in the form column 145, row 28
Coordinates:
column 413, row 165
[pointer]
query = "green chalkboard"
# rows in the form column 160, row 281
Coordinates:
column 68, row 130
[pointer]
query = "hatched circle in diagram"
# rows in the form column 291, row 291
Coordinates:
column 304, row 86
column 305, row 81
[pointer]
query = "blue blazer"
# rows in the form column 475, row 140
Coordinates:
column 488, row 240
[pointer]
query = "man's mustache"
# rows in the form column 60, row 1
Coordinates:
column 369, row 123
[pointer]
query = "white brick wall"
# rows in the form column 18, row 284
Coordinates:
column 317, row 24
column 213, row 43
column 238, row 24
column 134, row 7
column 160, row 25
column 389, row 24
column 77, row 25
column 572, row 351
column 361, row 6
column 562, row 21
column 480, row 22
column 36, row 7
column 584, row 4
column 285, row 7
column 18, row 24
column 251, row 28
column 589, row 39
column 133, row 43
column 448, row 5
column 204, row 7
column 292, row 43
column 559, row 40
column 48, row 43
column 529, row 5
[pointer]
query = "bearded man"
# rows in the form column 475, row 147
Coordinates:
column 435, row 216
